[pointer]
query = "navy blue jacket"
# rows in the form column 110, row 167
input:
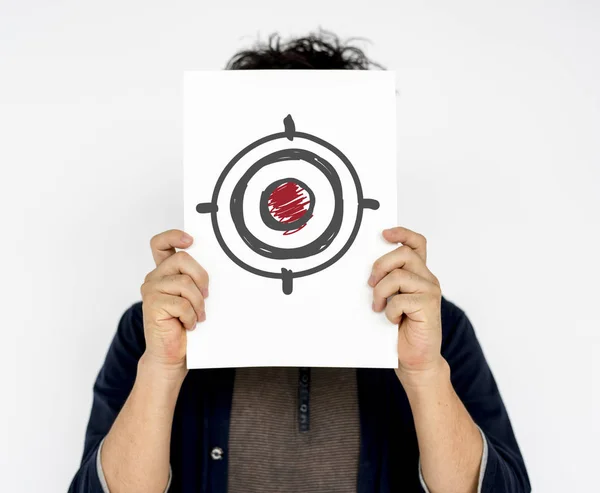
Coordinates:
column 388, row 450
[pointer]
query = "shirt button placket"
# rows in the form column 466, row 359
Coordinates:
column 303, row 398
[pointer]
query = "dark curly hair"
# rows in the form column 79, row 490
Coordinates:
column 322, row 50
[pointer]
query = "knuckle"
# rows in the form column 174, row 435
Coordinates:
column 407, row 302
column 199, row 273
column 398, row 301
column 149, row 298
column 187, row 281
column 190, row 312
column 435, row 280
column 179, row 301
column 392, row 304
column 377, row 292
column 391, row 310
column 405, row 250
column 154, row 240
column 182, row 255
column 399, row 274
column 186, row 307
column 200, row 303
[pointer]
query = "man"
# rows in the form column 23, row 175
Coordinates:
column 436, row 424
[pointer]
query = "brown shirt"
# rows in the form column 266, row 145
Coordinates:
column 267, row 451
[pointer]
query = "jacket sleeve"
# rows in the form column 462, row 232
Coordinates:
column 111, row 389
column 473, row 381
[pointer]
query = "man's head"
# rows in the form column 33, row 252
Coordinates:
column 321, row 51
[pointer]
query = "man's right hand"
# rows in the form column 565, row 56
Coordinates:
column 135, row 452
column 172, row 301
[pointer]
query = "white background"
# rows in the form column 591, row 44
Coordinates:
column 499, row 118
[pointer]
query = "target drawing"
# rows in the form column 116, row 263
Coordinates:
column 289, row 205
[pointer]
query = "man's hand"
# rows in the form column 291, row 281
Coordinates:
column 172, row 301
column 410, row 294
column 135, row 452
column 450, row 444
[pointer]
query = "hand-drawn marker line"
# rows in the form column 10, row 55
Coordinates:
column 286, row 275
column 310, row 249
column 288, row 207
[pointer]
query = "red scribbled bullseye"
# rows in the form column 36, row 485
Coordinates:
column 288, row 203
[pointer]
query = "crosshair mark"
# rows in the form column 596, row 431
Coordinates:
column 287, row 276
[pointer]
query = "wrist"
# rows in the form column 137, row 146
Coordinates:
column 160, row 376
column 434, row 378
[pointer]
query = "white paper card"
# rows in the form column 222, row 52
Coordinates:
column 289, row 180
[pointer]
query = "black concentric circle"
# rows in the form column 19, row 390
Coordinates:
column 273, row 223
column 312, row 248
column 323, row 241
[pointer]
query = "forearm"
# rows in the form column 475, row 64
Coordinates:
column 135, row 453
column 450, row 444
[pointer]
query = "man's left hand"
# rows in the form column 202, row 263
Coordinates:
column 410, row 294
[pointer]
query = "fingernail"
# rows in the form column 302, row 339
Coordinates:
column 202, row 317
column 186, row 238
column 204, row 292
column 193, row 327
column 373, row 306
column 371, row 280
